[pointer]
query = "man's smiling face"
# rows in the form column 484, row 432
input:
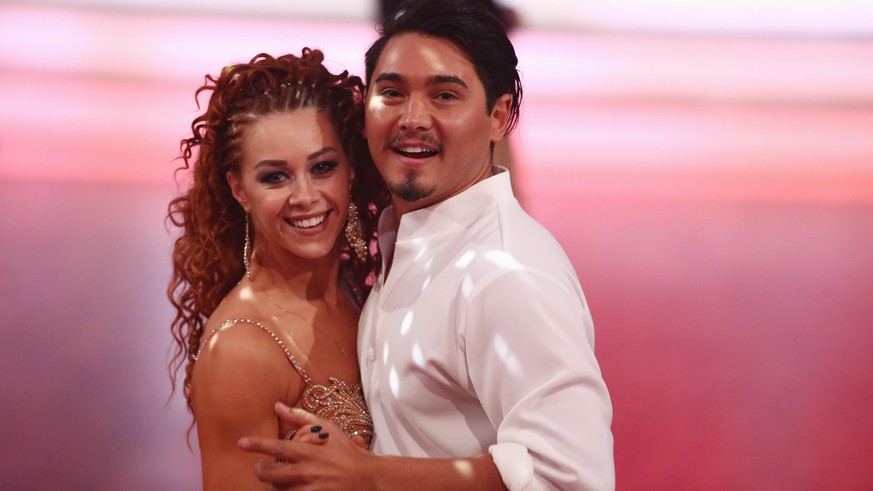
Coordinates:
column 426, row 121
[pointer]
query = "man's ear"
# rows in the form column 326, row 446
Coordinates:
column 364, row 130
column 500, row 117
column 236, row 188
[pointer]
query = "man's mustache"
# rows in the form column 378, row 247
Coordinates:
column 424, row 138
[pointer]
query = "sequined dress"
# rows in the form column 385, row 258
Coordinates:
column 339, row 402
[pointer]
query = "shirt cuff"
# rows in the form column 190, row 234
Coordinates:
column 515, row 466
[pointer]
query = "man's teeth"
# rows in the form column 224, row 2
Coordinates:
column 309, row 222
column 415, row 150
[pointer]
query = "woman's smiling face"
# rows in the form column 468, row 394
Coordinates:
column 294, row 182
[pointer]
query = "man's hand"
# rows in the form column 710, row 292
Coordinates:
column 319, row 458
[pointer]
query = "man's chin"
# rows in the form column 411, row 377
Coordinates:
column 411, row 191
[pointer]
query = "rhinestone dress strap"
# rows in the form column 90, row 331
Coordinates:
column 294, row 363
column 339, row 402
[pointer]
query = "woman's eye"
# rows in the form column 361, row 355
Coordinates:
column 322, row 168
column 273, row 177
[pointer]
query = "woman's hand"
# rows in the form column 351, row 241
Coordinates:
column 311, row 434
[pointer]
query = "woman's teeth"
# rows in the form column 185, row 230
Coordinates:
column 309, row 222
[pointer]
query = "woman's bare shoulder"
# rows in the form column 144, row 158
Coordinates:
column 240, row 356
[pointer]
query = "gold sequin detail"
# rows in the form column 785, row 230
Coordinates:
column 343, row 404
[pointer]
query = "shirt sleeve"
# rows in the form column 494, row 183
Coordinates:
column 529, row 343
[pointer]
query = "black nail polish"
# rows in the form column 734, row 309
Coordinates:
column 323, row 436
column 315, row 429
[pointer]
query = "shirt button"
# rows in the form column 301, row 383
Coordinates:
column 371, row 355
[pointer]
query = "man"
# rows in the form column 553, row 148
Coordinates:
column 507, row 15
column 476, row 345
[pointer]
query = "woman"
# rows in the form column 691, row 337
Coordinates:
column 271, row 267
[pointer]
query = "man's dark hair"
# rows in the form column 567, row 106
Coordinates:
column 475, row 31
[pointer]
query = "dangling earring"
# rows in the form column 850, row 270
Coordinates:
column 354, row 234
column 246, row 247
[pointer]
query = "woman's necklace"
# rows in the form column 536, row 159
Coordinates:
column 312, row 325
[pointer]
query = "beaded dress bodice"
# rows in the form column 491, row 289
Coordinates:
column 339, row 402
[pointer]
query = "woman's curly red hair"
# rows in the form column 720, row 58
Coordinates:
column 207, row 256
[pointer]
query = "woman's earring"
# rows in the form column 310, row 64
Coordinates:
column 246, row 247
column 354, row 234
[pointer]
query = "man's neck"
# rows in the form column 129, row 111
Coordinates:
column 402, row 207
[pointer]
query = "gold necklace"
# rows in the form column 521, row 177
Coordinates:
column 312, row 325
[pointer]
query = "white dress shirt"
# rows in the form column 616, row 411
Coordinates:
column 480, row 340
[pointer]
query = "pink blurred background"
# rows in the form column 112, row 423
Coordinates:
column 709, row 170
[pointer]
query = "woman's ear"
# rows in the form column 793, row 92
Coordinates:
column 237, row 190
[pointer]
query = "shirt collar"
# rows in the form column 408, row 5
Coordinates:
column 458, row 211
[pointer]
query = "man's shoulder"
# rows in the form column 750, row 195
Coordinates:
column 524, row 236
column 510, row 239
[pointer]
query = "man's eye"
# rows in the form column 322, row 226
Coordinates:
column 446, row 96
column 390, row 93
